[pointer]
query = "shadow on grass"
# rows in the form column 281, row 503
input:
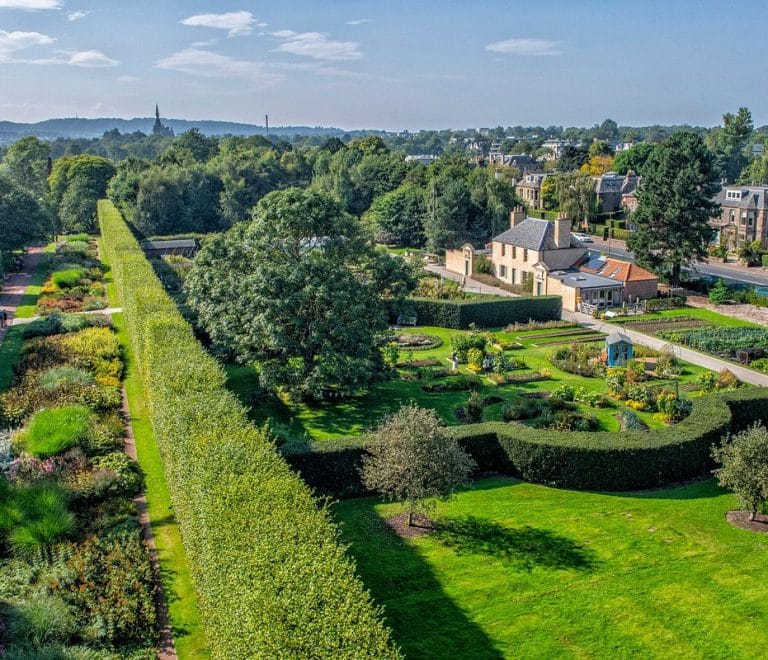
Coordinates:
column 704, row 488
column 524, row 547
column 425, row 622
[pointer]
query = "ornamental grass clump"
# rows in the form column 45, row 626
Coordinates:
column 66, row 279
column 50, row 432
column 59, row 377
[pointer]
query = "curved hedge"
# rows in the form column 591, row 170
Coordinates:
column 459, row 314
column 608, row 461
column 271, row 578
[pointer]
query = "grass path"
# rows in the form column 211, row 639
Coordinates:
column 177, row 580
column 525, row 571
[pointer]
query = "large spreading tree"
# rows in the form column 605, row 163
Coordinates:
column 23, row 219
column 301, row 292
column 675, row 205
column 743, row 461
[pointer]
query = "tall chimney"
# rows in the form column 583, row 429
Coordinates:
column 516, row 216
column 562, row 231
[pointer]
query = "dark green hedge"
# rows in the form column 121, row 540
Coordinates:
column 459, row 314
column 589, row 461
column 271, row 579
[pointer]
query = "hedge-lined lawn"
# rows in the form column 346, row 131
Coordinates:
column 298, row 421
column 526, row 571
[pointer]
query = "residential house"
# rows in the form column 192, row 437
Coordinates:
column 186, row 247
column 639, row 283
column 424, row 159
column 555, row 148
column 611, row 188
column 743, row 216
column 528, row 189
column 521, row 162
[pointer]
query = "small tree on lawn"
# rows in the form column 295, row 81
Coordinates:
column 413, row 460
column 719, row 293
column 744, row 461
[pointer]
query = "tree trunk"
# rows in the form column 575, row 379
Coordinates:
column 410, row 515
column 674, row 278
column 752, row 515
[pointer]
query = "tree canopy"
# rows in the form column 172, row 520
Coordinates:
column 300, row 291
column 675, row 206
column 743, row 461
column 23, row 219
column 412, row 459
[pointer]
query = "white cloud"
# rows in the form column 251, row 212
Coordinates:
column 128, row 79
column 86, row 59
column 198, row 62
column 237, row 23
column 359, row 21
column 317, row 46
column 31, row 5
column 13, row 41
column 525, row 47
column 77, row 15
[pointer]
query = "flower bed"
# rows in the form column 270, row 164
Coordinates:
column 413, row 341
column 76, row 280
column 75, row 576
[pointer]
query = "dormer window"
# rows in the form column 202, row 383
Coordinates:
column 733, row 194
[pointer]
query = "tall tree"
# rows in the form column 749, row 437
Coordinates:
column 634, row 159
column 729, row 143
column 398, row 216
column 27, row 163
column 80, row 181
column 300, row 291
column 23, row 219
column 446, row 223
column 675, row 206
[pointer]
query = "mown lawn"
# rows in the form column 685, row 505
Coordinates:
column 525, row 571
column 28, row 302
column 298, row 421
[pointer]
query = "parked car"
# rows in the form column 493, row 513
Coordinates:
column 582, row 238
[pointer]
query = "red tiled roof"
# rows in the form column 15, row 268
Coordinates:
column 619, row 270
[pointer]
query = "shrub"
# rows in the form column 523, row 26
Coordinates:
column 243, row 514
column 719, row 294
column 109, row 585
column 473, row 410
column 50, row 432
column 66, row 279
column 463, row 343
column 707, row 381
column 458, row 384
column 726, row 379
column 667, row 302
column 58, row 323
column 475, row 359
column 564, row 392
column 523, row 408
column 58, row 377
column 125, row 476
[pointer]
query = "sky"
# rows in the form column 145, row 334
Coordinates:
column 388, row 64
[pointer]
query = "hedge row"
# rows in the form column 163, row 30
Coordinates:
column 271, row 578
column 590, row 461
column 459, row 314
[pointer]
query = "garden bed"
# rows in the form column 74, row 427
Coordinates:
column 74, row 570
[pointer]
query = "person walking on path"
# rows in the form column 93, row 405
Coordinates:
column 3, row 318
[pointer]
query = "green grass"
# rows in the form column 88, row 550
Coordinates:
column 10, row 349
column 177, row 581
column 299, row 421
column 28, row 302
column 525, row 571
column 50, row 431
column 188, row 635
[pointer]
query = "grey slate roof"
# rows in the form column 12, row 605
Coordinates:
column 182, row 243
column 532, row 234
column 615, row 183
column 752, row 197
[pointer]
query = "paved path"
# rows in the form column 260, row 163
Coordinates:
column 694, row 357
column 108, row 310
column 470, row 285
column 15, row 286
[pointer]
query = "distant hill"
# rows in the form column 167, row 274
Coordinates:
column 50, row 129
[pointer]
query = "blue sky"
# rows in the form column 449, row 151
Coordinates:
column 386, row 64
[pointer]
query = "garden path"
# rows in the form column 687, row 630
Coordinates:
column 694, row 357
column 108, row 310
column 470, row 285
column 15, row 286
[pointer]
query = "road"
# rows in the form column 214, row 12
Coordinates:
column 733, row 273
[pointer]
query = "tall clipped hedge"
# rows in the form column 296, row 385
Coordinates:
column 591, row 461
column 459, row 314
column 271, row 578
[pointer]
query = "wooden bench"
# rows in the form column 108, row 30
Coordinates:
column 406, row 320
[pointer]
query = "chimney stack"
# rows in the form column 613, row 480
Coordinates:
column 562, row 231
column 516, row 216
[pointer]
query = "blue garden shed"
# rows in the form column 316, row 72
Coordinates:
column 620, row 349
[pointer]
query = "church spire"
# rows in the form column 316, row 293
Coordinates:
column 157, row 112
